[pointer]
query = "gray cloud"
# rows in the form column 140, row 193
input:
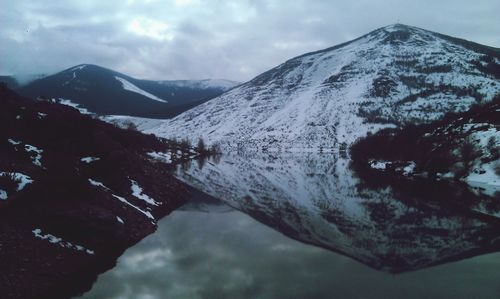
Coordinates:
column 189, row 39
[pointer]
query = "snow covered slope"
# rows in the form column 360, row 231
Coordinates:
column 220, row 84
column 327, row 99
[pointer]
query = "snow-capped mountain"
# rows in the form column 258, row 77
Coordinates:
column 327, row 99
column 105, row 91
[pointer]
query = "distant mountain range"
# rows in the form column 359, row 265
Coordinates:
column 16, row 81
column 325, row 100
column 104, row 91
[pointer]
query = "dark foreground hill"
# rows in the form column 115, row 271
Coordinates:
column 75, row 192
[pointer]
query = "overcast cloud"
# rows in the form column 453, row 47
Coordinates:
column 195, row 39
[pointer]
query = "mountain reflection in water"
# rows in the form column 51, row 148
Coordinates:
column 207, row 250
column 233, row 245
column 318, row 200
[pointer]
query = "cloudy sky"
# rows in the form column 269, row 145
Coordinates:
column 194, row 39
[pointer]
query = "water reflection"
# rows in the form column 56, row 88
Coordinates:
column 318, row 200
column 222, row 253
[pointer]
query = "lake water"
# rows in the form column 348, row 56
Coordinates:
column 304, row 226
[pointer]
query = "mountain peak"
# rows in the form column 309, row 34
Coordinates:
column 397, row 26
column 393, row 76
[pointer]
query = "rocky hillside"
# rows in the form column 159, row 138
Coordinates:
column 75, row 192
column 327, row 99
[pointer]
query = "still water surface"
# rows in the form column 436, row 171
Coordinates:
column 229, row 255
column 306, row 227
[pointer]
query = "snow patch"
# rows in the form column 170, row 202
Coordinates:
column 59, row 241
column 409, row 169
column 379, row 165
column 131, row 87
column 36, row 159
column 79, row 67
column 98, row 184
column 14, row 142
column 485, row 175
column 123, row 121
column 138, row 192
column 101, row 185
column 89, row 159
column 74, row 105
column 162, row 157
column 22, row 179
column 147, row 213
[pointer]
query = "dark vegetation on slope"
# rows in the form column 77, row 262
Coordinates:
column 430, row 150
column 433, row 159
column 62, row 202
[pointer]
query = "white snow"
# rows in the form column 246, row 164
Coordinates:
column 14, row 142
column 120, row 220
column 41, row 115
column 73, row 75
column 482, row 137
column 147, row 213
column 101, row 185
column 485, row 175
column 59, row 241
column 79, row 67
column 123, row 121
column 162, row 157
column 138, row 192
column 131, row 87
column 22, row 179
column 89, row 159
column 380, row 165
column 38, row 154
column 68, row 102
column 312, row 102
column 408, row 169
column 98, row 184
